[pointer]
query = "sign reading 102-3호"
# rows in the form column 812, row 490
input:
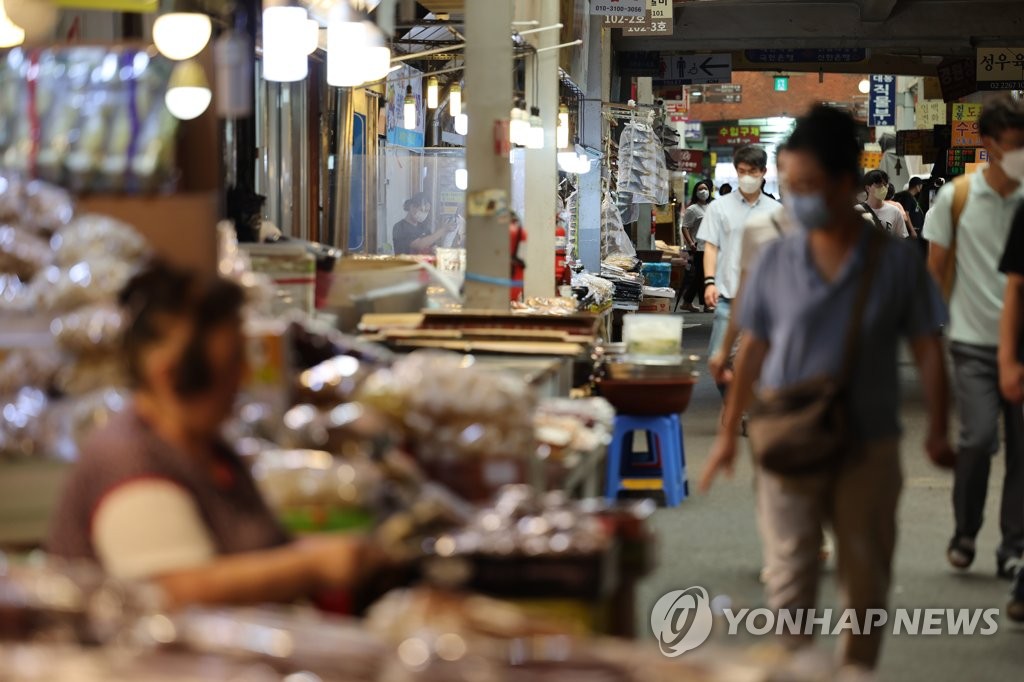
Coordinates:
column 619, row 8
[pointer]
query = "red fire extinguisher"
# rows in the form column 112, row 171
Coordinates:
column 516, row 238
column 562, row 275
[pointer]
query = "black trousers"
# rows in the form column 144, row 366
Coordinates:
column 694, row 288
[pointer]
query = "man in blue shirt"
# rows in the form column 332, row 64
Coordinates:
column 790, row 339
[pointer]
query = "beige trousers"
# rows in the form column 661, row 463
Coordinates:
column 859, row 502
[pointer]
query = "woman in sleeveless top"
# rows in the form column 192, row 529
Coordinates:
column 158, row 495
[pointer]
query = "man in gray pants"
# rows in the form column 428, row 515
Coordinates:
column 976, row 243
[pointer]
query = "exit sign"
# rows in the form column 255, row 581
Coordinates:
column 781, row 83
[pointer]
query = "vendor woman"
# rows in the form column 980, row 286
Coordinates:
column 412, row 235
column 157, row 494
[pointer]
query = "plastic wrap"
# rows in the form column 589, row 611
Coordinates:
column 89, row 330
column 97, row 281
column 28, row 367
column 85, row 375
column 96, row 238
column 465, row 411
column 642, row 172
column 614, row 239
column 22, row 253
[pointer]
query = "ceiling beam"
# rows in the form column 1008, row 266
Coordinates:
column 876, row 10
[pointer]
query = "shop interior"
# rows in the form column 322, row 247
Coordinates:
column 456, row 226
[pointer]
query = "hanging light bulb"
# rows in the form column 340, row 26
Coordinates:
column 535, row 139
column 519, row 125
column 285, row 59
column 432, row 93
column 11, row 35
column 376, row 56
column 346, row 39
column 312, row 35
column 188, row 92
column 462, row 124
column 562, row 132
column 864, row 86
column 461, row 178
column 181, row 35
column 567, row 161
column 410, row 109
column 455, row 100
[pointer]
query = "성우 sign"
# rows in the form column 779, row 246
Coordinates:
column 618, row 8
column 825, row 55
column 882, row 108
column 694, row 69
column 1000, row 68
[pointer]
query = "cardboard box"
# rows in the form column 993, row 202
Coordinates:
column 656, row 304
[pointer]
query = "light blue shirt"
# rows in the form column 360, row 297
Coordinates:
column 722, row 227
column 805, row 319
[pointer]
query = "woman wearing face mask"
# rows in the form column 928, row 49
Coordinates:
column 798, row 342
column 157, row 494
column 690, row 224
column 411, row 235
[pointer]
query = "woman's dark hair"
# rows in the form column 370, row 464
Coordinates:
column 725, row 189
column 415, row 201
column 161, row 293
column 891, row 193
column 830, row 136
column 706, row 184
column 751, row 155
column 1000, row 115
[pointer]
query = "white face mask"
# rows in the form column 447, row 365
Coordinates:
column 703, row 194
column 750, row 184
column 881, row 193
column 1012, row 164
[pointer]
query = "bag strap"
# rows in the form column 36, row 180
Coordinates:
column 961, row 191
column 874, row 216
column 876, row 242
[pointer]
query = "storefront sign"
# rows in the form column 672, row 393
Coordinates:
column 677, row 110
column 916, row 143
column 882, row 109
column 618, row 8
column 694, row 69
column 396, row 132
column 640, row 64
column 656, row 20
column 982, row 155
column 694, row 131
column 1000, row 68
column 957, row 79
column 930, row 113
column 731, row 136
column 813, row 56
column 688, row 160
column 870, row 160
column 958, row 159
column 133, row 6
column 965, row 132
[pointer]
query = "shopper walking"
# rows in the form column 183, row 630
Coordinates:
column 1011, row 357
column 851, row 294
column 689, row 226
column 887, row 217
column 908, row 199
column 967, row 229
column 722, row 232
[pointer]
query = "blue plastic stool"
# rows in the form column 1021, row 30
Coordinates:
column 665, row 453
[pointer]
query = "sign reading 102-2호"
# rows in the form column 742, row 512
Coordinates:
column 618, row 8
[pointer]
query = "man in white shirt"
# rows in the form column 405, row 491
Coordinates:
column 722, row 232
column 977, row 243
column 886, row 216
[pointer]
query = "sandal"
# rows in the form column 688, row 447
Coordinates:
column 960, row 553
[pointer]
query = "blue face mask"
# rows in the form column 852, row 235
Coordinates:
column 809, row 211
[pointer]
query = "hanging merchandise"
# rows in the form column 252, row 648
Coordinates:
column 614, row 239
column 642, row 174
column 89, row 118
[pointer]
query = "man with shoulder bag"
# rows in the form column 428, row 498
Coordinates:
column 824, row 428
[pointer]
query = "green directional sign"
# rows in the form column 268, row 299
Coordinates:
column 782, row 84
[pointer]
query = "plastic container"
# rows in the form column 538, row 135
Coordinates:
column 291, row 267
column 657, row 274
column 653, row 336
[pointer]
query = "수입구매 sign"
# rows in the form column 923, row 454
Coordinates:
column 619, row 8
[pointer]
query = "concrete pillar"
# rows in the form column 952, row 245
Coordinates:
column 541, row 164
column 488, row 97
column 597, row 88
column 644, row 239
